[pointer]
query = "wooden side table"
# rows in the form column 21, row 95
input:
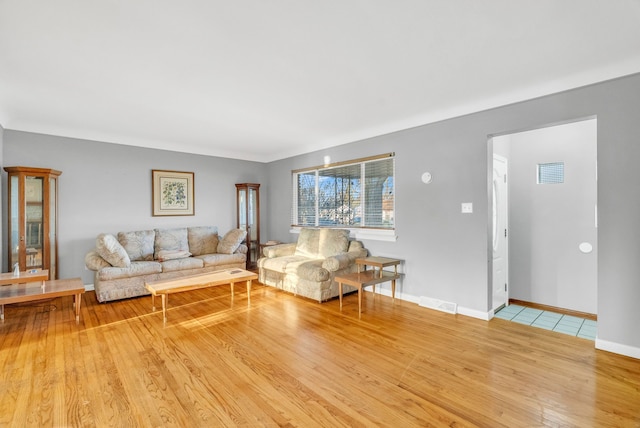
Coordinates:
column 364, row 278
column 380, row 263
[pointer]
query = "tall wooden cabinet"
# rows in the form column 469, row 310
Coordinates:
column 33, row 218
column 248, row 205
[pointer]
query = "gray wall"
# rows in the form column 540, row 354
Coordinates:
column 446, row 253
column 2, row 193
column 548, row 222
column 107, row 188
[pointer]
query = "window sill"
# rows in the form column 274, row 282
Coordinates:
column 364, row 234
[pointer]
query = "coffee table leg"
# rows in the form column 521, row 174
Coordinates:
column 360, row 300
column 248, row 292
column 164, row 308
column 393, row 289
column 2, row 312
column 78, row 300
column 153, row 302
column 232, row 291
column 340, row 293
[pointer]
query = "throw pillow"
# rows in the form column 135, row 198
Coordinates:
column 333, row 242
column 138, row 244
column 231, row 241
column 171, row 240
column 110, row 249
column 203, row 240
column 308, row 243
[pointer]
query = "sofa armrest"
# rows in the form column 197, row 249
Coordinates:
column 279, row 250
column 93, row 261
column 340, row 261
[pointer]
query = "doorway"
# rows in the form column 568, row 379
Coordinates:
column 552, row 216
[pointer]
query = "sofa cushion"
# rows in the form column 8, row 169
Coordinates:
column 181, row 264
column 231, row 241
column 202, row 240
column 136, row 269
column 93, row 261
column 171, row 240
column 164, row 255
column 279, row 264
column 308, row 242
column 279, row 250
column 110, row 249
column 138, row 244
column 211, row 260
column 333, row 242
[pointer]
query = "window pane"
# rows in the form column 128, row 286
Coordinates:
column 306, row 215
column 551, row 173
column 379, row 194
column 338, row 195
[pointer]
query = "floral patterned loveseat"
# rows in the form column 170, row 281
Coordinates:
column 309, row 266
column 123, row 264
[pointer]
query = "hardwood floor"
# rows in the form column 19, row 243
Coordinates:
column 287, row 361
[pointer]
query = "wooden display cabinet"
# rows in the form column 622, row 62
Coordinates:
column 33, row 218
column 248, row 205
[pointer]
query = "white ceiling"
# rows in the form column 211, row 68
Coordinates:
column 267, row 79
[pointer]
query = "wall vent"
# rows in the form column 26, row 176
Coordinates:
column 439, row 305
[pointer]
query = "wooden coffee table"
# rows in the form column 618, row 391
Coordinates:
column 195, row 282
column 39, row 290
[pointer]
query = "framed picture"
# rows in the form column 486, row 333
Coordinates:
column 172, row 193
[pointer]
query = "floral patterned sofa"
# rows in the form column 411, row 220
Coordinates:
column 122, row 264
column 309, row 266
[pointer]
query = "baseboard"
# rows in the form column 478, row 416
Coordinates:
column 618, row 348
column 89, row 287
column 402, row 296
column 473, row 313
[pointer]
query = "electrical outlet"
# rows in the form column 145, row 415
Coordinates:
column 467, row 207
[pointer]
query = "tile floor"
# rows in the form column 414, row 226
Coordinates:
column 566, row 324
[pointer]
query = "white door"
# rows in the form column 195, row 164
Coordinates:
column 500, row 238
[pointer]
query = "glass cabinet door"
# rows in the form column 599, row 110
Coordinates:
column 33, row 218
column 34, row 229
column 53, row 227
column 14, row 222
column 248, row 200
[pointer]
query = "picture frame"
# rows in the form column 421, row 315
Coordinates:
column 173, row 193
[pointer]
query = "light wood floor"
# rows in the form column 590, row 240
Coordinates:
column 288, row 361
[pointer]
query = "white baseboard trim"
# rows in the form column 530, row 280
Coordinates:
column 618, row 348
column 485, row 316
column 473, row 313
column 387, row 292
column 89, row 287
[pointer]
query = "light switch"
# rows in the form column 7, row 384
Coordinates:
column 467, row 207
